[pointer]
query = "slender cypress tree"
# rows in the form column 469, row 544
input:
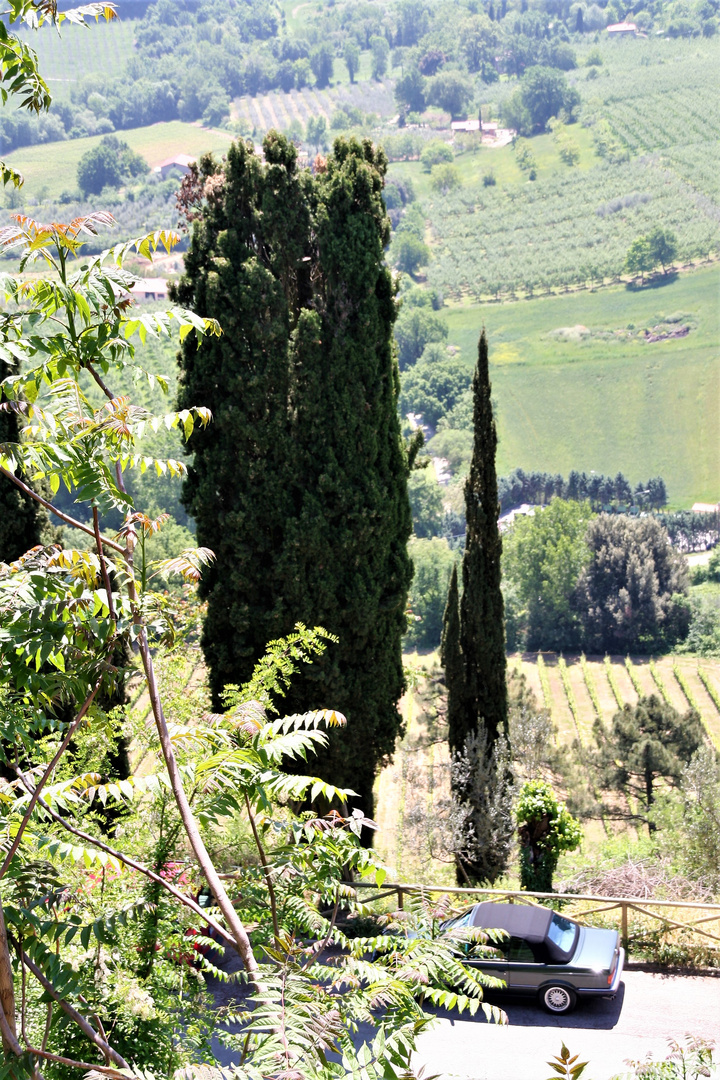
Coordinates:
column 300, row 483
column 482, row 628
column 21, row 519
column 451, row 659
column 474, row 653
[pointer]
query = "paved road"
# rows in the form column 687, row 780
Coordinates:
column 647, row 1011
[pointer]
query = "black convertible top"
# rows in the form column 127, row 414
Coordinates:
column 520, row 920
column 531, row 924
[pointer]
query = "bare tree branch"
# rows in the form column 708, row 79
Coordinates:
column 239, row 933
column 54, row 510
column 266, row 871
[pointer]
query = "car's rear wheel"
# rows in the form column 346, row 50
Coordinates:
column 558, row 999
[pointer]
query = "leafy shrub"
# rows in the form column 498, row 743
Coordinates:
column 436, row 153
column 546, row 828
column 444, row 178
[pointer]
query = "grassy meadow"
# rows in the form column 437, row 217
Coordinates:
column 54, row 165
column 606, row 400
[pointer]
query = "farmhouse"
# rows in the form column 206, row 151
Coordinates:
column 149, row 289
column 473, row 125
column 525, row 510
column 182, row 162
column 622, row 29
column 706, row 508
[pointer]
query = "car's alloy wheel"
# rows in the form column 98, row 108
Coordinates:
column 558, row 999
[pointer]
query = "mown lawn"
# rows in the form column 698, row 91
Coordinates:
column 607, row 401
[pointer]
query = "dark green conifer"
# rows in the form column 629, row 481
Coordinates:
column 473, row 655
column 21, row 518
column 300, row 483
column 451, row 659
column 482, row 629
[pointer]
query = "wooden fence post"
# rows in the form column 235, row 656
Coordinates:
column 401, row 899
column 624, row 929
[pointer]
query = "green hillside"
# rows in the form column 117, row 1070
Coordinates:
column 607, row 400
column 53, row 166
column 77, row 51
column 653, row 103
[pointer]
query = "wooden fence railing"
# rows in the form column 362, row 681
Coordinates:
column 669, row 914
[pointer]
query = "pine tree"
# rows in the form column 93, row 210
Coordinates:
column 482, row 631
column 300, row 483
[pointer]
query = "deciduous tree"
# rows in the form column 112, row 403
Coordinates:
column 543, row 558
column 351, row 53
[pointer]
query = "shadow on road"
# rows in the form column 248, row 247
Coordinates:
column 596, row 1013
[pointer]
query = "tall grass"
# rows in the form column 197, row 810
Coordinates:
column 590, row 684
column 613, row 682
column 544, row 682
column 659, row 682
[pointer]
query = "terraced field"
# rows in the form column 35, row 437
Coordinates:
column 278, row 110
column 412, row 793
column 573, row 681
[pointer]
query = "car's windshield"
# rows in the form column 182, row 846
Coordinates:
column 562, row 933
column 459, row 920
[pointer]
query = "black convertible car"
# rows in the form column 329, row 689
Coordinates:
column 546, row 954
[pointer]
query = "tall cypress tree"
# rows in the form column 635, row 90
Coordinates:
column 482, row 628
column 300, row 483
column 474, row 649
column 451, row 658
column 21, row 518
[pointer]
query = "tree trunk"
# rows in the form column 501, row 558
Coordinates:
column 7, row 988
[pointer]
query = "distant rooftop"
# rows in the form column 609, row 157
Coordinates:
column 150, row 289
column 622, row 28
column 178, row 161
